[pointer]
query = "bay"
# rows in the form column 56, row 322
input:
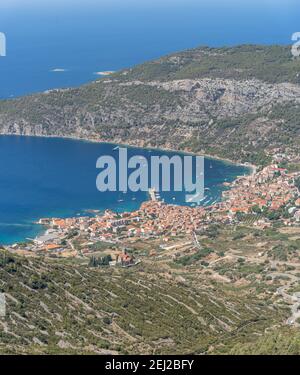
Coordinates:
column 56, row 177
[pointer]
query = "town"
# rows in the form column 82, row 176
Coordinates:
column 259, row 198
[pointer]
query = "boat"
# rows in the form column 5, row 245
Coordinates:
column 116, row 148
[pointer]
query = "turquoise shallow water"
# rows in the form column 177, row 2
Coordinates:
column 52, row 177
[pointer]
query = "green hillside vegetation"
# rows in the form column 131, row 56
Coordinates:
column 272, row 64
column 285, row 341
column 56, row 307
column 133, row 107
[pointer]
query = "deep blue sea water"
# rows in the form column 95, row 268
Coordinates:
column 62, row 43
column 96, row 35
column 52, row 177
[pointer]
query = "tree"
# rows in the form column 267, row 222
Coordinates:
column 93, row 262
column 100, row 262
column 256, row 209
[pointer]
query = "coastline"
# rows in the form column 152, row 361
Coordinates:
column 43, row 231
column 252, row 167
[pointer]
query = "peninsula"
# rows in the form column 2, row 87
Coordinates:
column 221, row 279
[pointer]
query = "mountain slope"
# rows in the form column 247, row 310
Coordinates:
column 230, row 102
column 58, row 307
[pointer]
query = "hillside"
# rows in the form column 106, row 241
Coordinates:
column 230, row 286
column 58, row 307
column 231, row 102
column 237, row 298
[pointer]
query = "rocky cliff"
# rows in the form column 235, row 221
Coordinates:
column 232, row 103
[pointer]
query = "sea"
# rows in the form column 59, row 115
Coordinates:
column 56, row 177
column 66, row 43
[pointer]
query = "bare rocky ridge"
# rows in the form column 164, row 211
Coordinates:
column 227, row 291
column 229, row 117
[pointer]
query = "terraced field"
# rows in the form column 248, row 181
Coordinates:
column 54, row 306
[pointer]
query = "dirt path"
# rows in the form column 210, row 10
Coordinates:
column 293, row 299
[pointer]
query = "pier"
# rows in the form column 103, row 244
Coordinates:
column 152, row 194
